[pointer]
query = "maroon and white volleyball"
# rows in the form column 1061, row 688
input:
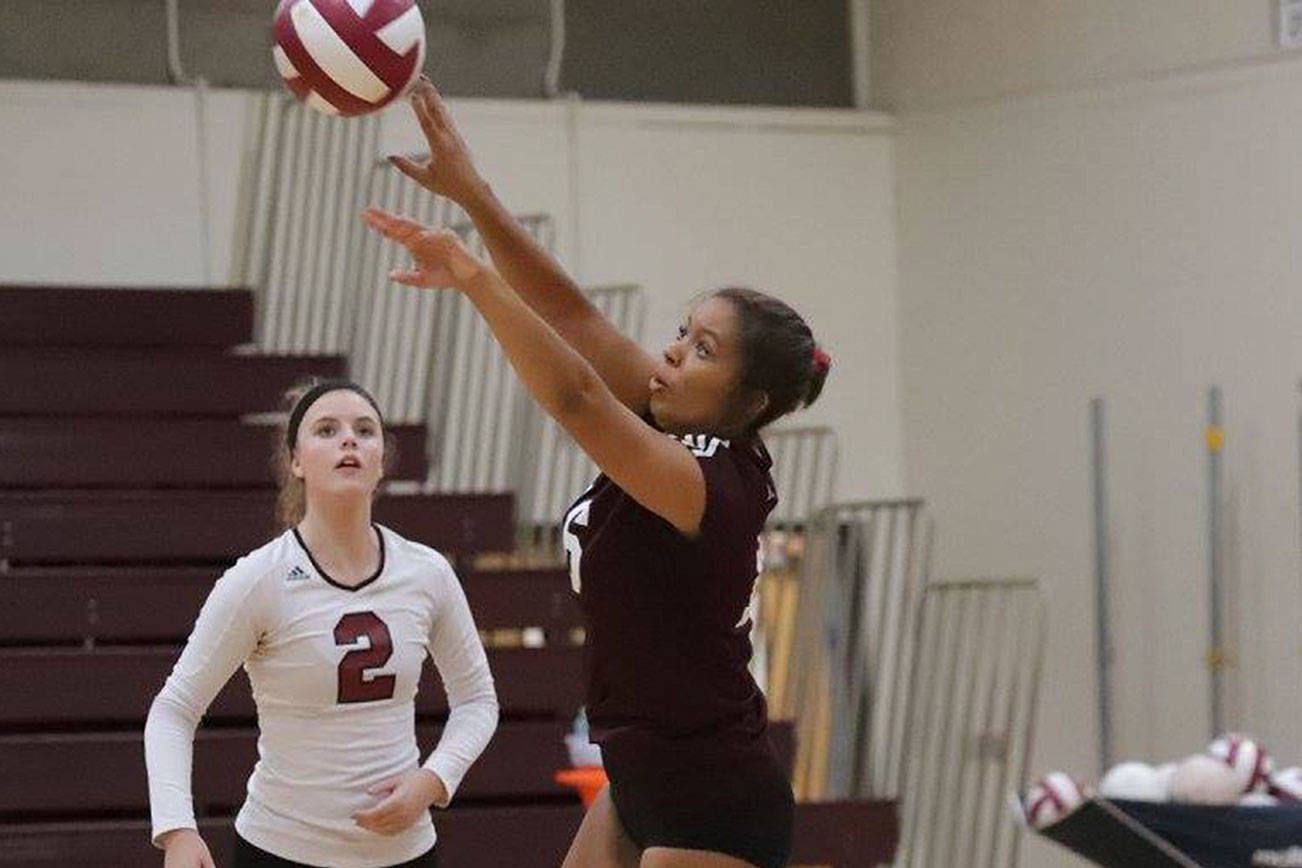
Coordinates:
column 348, row 57
column 1250, row 762
column 1053, row 797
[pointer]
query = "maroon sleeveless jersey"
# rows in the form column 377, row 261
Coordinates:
column 667, row 617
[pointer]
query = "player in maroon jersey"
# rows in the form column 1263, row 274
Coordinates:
column 663, row 547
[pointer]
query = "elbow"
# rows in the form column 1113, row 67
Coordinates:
column 578, row 397
column 162, row 707
column 481, row 700
column 169, row 712
column 492, row 710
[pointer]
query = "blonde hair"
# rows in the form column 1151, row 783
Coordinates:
column 291, row 497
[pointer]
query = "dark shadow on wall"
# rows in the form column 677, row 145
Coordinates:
column 790, row 52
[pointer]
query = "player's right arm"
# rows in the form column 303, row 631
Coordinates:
column 534, row 274
column 225, row 634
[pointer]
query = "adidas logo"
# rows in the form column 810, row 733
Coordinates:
column 297, row 574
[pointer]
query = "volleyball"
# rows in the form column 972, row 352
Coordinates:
column 1135, row 781
column 348, row 57
column 1053, row 797
column 1201, row 780
column 1246, row 757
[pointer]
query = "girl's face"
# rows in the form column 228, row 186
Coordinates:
column 694, row 388
column 340, row 446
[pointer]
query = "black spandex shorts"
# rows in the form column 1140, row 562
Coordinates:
column 248, row 856
column 701, row 794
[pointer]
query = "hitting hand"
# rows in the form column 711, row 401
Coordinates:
column 450, row 171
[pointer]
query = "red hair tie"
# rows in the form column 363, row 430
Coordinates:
column 822, row 361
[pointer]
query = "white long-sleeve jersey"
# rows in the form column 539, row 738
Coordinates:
column 334, row 672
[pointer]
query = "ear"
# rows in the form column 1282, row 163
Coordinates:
column 295, row 469
column 758, row 404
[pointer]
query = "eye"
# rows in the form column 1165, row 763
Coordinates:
column 682, row 332
column 326, row 429
column 703, row 349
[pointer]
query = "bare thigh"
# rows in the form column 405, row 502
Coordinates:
column 672, row 857
column 601, row 841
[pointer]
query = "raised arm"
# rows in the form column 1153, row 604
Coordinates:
column 656, row 470
column 534, row 274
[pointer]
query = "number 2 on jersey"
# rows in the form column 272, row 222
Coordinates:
column 353, row 684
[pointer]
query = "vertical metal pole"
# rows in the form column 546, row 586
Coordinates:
column 860, row 52
column 1215, row 436
column 176, row 72
column 1101, row 580
column 556, row 52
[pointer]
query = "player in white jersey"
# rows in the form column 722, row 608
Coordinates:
column 332, row 620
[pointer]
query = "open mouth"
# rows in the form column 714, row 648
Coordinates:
column 348, row 462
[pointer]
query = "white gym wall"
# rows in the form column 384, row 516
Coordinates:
column 1104, row 199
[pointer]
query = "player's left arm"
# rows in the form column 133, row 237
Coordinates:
column 458, row 654
column 657, row 471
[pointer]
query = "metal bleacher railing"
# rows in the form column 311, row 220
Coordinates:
column 971, row 722
column 903, row 688
column 862, row 570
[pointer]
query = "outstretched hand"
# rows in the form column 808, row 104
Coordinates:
column 450, row 171
column 439, row 259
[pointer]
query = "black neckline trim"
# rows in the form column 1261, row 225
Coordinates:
column 326, row 576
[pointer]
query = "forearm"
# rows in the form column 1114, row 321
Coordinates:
column 543, row 285
column 555, row 374
column 469, row 728
column 169, row 750
column 531, row 271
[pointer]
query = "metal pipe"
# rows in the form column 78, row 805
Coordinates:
column 1103, row 649
column 177, row 74
column 556, row 53
column 175, row 69
column 1215, row 437
column 860, row 51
